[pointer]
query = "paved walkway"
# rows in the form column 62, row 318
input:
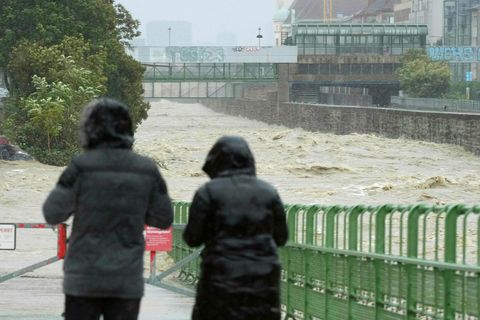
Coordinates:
column 38, row 296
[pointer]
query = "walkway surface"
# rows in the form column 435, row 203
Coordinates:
column 38, row 296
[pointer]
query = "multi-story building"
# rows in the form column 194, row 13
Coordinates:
column 459, row 31
column 428, row 12
column 377, row 11
column 402, row 11
column 458, row 22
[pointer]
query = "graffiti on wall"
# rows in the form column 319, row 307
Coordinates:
column 246, row 49
column 196, row 54
column 455, row 54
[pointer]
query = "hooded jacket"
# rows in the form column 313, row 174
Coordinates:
column 112, row 192
column 241, row 221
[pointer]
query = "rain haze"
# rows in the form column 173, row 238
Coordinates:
column 209, row 18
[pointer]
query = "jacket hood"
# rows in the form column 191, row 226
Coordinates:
column 106, row 123
column 230, row 155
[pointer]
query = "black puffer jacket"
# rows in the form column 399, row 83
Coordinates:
column 112, row 193
column 241, row 221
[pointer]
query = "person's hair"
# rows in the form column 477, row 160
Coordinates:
column 106, row 122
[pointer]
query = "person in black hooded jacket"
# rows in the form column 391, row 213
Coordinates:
column 241, row 221
column 112, row 192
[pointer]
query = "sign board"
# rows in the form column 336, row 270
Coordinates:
column 8, row 234
column 469, row 76
column 157, row 239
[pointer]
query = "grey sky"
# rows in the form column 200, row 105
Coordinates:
column 210, row 17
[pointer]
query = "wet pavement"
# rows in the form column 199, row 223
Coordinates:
column 38, row 296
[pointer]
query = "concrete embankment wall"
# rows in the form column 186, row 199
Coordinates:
column 453, row 128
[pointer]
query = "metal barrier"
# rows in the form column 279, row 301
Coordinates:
column 362, row 262
column 61, row 248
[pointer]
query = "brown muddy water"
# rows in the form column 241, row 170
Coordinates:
column 306, row 167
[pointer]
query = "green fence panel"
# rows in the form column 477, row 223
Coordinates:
column 365, row 262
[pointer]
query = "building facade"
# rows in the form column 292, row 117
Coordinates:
column 459, row 31
column 353, row 39
column 402, row 11
column 457, row 27
column 429, row 12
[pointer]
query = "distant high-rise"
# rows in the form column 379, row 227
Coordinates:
column 169, row 33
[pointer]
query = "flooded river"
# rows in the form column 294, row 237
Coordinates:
column 306, row 167
column 311, row 167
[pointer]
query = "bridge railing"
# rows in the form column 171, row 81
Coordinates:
column 363, row 262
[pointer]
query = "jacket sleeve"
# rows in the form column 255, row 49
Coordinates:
column 195, row 233
column 280, row 229
column 61, row 202
column 160, row 211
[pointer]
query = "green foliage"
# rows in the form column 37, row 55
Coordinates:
column 28, row 60
column 50, row 49
column 423, row 78
column 415, row 54
column 45, row 121
column 458, row 90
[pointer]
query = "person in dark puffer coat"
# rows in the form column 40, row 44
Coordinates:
column 112, row 192
column 241, row 221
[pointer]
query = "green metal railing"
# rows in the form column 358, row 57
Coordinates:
column 171, row 72
column 386, row 262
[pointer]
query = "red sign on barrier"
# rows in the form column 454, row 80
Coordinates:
column 157, row 239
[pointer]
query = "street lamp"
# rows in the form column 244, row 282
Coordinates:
column 169, row 36
column 259, row 37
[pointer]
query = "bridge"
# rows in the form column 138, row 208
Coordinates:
column 208, row 72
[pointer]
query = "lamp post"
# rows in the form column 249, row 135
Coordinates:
column 259, row 37
column 169, row 36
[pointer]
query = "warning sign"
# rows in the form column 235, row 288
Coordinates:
column 7, row 236
column 157, row 239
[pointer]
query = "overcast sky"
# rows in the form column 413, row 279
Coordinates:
column 210, row 17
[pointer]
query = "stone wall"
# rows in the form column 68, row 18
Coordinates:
column 444, row 127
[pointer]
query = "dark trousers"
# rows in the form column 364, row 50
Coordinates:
column 80, row 308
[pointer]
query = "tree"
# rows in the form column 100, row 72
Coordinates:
column 103, row 26
column 44, row 116
column 54, row 108
column 421, row 77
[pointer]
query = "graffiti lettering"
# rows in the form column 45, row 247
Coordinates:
column 196, row 54
column 246, row 49
column 455, row 54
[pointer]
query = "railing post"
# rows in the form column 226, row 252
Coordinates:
column 61, row 240
column 153, row 264
column 451, row 257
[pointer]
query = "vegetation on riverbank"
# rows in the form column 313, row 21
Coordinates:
column 57, row 56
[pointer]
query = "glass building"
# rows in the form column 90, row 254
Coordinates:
column 458, row 22
column 353, row 39
column 458, row 31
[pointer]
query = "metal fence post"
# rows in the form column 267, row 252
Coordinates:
column 61, row 241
